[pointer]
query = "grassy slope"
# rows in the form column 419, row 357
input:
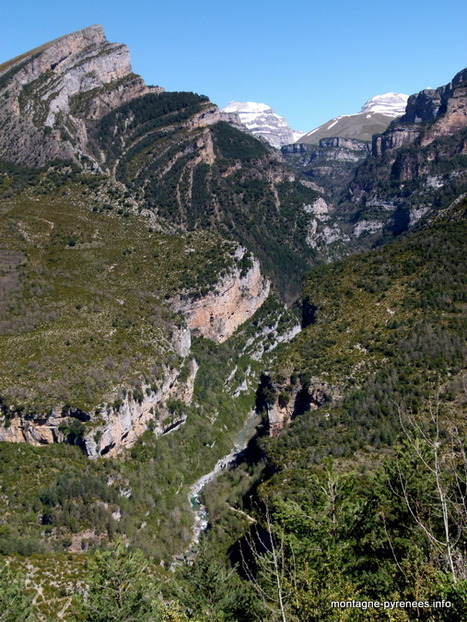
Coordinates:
column 85, row 312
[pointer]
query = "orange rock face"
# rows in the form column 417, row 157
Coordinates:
column 235, row 299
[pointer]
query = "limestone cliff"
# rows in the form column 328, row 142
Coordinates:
column 236, row 298
column 76, row 99
column 111, row 427
column 293, row 400
column 330, row 165
column 417, row 165
column 430, row 114
column 114, row 426
column 53, row 94
column 121, row 425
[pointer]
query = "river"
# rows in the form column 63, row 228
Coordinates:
column 226, row 462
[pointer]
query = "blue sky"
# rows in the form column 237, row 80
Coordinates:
column 309, row 60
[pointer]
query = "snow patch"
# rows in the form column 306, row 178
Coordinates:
column 389, row 104
column 261, row 121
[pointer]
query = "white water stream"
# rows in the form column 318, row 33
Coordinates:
column 200, row 510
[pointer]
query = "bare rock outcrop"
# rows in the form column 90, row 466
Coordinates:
column 430, row 114
column 33, row 430
column 234, row 300
column 115, row 426
column 51, row 94
column 121, row 425
column 330, row 165
column 300, row 400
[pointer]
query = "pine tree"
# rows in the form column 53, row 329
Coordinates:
column 120, row 589
column 15, row 602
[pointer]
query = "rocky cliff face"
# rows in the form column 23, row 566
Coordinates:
column 430, row 114
column 295, row 401
column 119, row 427
column 169, row 156
column 51, row 95
column 114, row 426
column 331, row 165
column 111, row 427
column 235, row 299
column 375, row 191
column 417, row 165
column 76, row 99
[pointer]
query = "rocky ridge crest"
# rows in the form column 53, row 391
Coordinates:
column 430, row 114
column 417, row 165
column 52, row 94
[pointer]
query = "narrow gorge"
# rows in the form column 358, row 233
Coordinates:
column 233, row 374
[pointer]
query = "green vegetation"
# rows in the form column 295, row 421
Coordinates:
column 147, row 113
column 53, row 497
column 85, row 314
column 168, row 161
column 122, row 584
column 346, row 504
column 236, row 145
column 364, row 497
column 119, row 589
column 428, row 177
column 15, row 602
column 361, row 496
column 388, row 332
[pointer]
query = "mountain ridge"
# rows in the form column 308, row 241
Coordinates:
column 42, row 88
column 153, row 318
column 77, row 100
column 373, row 118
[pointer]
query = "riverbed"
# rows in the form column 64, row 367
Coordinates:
column 226, row 462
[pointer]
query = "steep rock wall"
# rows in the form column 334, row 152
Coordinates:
column 300, row 400
column 121, row 426
column 112, row 427
column 418, row 165
column 236, row 298
column 330, row 165
column 115, row 426
column 430, row 114
column 52, row 93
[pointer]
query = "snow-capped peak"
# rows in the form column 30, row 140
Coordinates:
column 389, row 104
column 262, row 121
column 247, row 107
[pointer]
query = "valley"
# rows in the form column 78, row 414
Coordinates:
column 230, row 372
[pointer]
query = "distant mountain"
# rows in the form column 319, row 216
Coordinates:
column 330, row 165
column 261, row 121
column 378, row 190
column 417, row 165
column 373, row 118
